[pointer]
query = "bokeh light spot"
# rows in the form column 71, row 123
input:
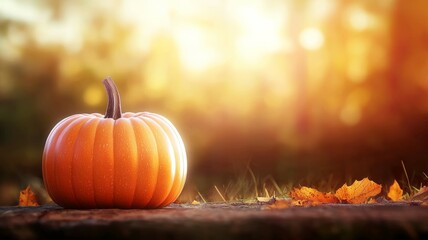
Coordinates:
column 93, row 95
column 259, row 33
column 311, row 38
column 359, row 19
column 350, row 114
column 196, row 52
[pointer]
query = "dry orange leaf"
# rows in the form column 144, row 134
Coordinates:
column 395, row 192
column 358, row 192
column 27, row 198
column 313, row 195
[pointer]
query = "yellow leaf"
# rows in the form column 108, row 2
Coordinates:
column 195, row 202
column 395, row 192
column 313, row 195
column 27, row 198
column 358, row 192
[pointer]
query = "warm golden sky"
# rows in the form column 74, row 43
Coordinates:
column 242, row 79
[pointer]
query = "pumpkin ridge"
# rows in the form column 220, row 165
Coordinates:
column 137, row 160
column 138, row 164
column 114, row 163
column 174, row 139
column 103, row 160
column 158, row 160
column 182, row 161
column 57, row 176
column 172, row 161
column 182, row 150
column 125, row 161
column 49, row 148
column 92, row 161
column 146, row 130
column 72, row 168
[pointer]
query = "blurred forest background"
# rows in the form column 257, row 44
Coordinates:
column 299, row 90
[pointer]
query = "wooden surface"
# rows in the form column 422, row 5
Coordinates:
column 218, row 221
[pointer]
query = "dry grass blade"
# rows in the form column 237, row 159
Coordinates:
column 275, row 184
column 253, row 177
column 200, row 195
column 219, row 193
column 407, row 178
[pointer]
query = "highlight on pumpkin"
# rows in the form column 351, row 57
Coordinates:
column 263, row 97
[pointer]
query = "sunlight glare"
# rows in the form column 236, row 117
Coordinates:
column 260, row 32
column 320, row 9
column 22, row 11
column 196, row 52
column 359, row 19
column 311, row 38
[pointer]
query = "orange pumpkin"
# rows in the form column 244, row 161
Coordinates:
column 130, row 160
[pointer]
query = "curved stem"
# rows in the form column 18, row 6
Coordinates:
column 114, row 109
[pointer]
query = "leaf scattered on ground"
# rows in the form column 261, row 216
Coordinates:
column 27, row 198
column 395, row 192
column 358, row 192
column 313, row 195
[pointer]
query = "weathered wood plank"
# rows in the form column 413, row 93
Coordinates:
column 218, row 221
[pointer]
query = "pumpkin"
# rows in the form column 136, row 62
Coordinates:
column 129, row 160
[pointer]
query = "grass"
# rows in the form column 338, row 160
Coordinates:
column 250, row 188
column 246, row 188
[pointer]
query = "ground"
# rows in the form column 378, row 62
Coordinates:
column 218, row 221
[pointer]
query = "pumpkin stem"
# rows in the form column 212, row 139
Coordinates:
column 114, row 109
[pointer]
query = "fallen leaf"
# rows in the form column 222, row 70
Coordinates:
column 313, row 195
column 27, row 198
column 395, row 192
column 305, row 203
column 358, row 192
column 421, row 195
column 195, row 202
